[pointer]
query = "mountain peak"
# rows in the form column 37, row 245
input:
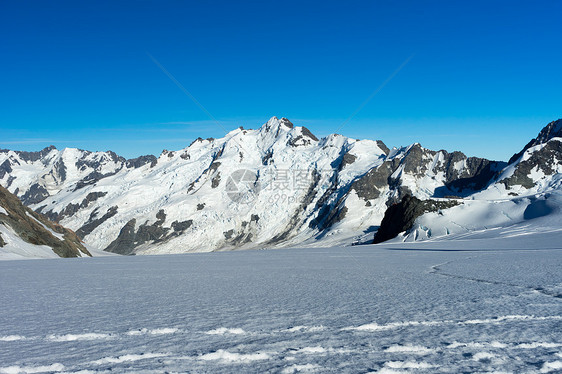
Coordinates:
column 275, row 124
column 552, row 130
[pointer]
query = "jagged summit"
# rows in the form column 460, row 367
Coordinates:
column 552, row 130
column 277, row 185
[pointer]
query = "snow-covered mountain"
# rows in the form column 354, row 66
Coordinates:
column 25, row 233
column 524, row 197
column 275, row 186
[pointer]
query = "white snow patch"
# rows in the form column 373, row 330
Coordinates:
column 11, row 338
column 407, row 365
column 163, row 331
column 55, row 234
column 159, row 331
column 3, row 211
column 483, row 356
column 224, row 331
column 535, row 345
column 306, row 329
column 394, row 325
column 128, row 358
column 551, row 366
column 230, row 357
column 18, row 249
column 57, row 367
column 75, row 337
column 493, row 344
column 416, row 349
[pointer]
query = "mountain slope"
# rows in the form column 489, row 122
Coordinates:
column 25, row 233
column 525, row 195
column 278, row 185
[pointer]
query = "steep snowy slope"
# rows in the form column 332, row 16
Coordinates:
column 25, row 233
column 526, row 195
column 275, row 186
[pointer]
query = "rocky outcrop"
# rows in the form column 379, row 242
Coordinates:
column 141, row 161
column 552, row 130
column 35, row 229
column 130, row 238
column 545, row 160
column 400, row 217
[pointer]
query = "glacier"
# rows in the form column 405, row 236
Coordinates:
column 488, row 304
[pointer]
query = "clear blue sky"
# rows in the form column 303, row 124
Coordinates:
column 484, row 78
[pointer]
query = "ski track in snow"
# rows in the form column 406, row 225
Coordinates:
column 286, row 311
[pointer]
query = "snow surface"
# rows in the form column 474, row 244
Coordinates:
column 489, row 304
column 17, row 249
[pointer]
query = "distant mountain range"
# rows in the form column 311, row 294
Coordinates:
column 275, row 186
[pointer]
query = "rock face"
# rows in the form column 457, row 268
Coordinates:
column 302, row 188
column 35, row 229
column 400, row 217
column 552, row 130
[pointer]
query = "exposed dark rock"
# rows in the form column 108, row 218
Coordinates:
column 286, row 122
column 348, row 159
column 34, row 228
column 383, row 147
column 34, row 156
column 305, row 138
column 200, row 206
column 400, row 217
column 329, row 216
column 141, row 161
column 59, row 170
column 35, row 194
column 95, row 222
column 228, row 234
column 254, row 218
column 216, row 180
column 416, row 160
column 544, row 159
column 71, row 208
column 10, row 180
column 185, row 156
column 128, row 240
column 552, row 130
column 306, row 132
column 182, row 226
column 479, row 173
column 5, row 168
column 116, row 158
column 196, row 141
column 93, row 178
column 2, row 242
column 370, row 185
column 125, row 242
column 267, row 158
column 160, row 217
column 147, row 233
column 214, row 166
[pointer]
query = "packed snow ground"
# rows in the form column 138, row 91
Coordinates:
column 480, row 305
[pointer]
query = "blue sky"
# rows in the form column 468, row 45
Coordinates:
column 484, row 76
